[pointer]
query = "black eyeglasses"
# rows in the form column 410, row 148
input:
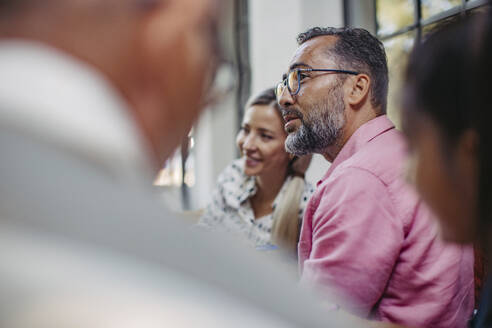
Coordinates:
column 293, row 80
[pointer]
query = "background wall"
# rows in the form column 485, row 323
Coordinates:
column 274, row 26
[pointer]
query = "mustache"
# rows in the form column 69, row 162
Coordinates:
column 293, row 112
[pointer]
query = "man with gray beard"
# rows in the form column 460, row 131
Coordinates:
column 325, row 127
column 365, row 234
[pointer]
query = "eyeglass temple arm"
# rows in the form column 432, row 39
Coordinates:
column 329, row 70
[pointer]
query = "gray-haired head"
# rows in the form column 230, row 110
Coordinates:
column 356, row 49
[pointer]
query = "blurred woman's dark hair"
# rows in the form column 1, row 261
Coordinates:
column 448, row 81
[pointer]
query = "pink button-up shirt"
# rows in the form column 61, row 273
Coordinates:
column 367, row 237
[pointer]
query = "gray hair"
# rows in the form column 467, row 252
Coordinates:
column 358, row 50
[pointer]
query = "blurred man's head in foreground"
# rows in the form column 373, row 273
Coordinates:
column 160, row 55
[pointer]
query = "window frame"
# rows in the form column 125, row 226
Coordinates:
column 420, row 23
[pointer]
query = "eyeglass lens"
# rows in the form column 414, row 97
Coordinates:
column 293, row 81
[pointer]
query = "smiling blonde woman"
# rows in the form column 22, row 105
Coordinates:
column 262, row 195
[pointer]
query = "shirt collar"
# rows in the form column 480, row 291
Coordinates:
column 63, row 101
column 364, row 134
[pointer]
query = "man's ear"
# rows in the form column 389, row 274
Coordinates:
column 357, row 89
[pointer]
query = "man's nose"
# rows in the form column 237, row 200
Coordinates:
column 285, row 99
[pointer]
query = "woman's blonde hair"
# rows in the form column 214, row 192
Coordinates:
column 286, row 224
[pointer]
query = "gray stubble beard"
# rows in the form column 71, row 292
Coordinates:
column 321, row 127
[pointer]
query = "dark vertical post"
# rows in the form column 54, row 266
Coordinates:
column 376, row 23
column 241, row 45
column 185, row 194
column 418, row 19
column 346, row 14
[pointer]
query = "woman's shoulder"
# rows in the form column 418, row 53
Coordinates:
column 308, row 188
column 306, row 194
column 233, row 172
column 234, row 185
